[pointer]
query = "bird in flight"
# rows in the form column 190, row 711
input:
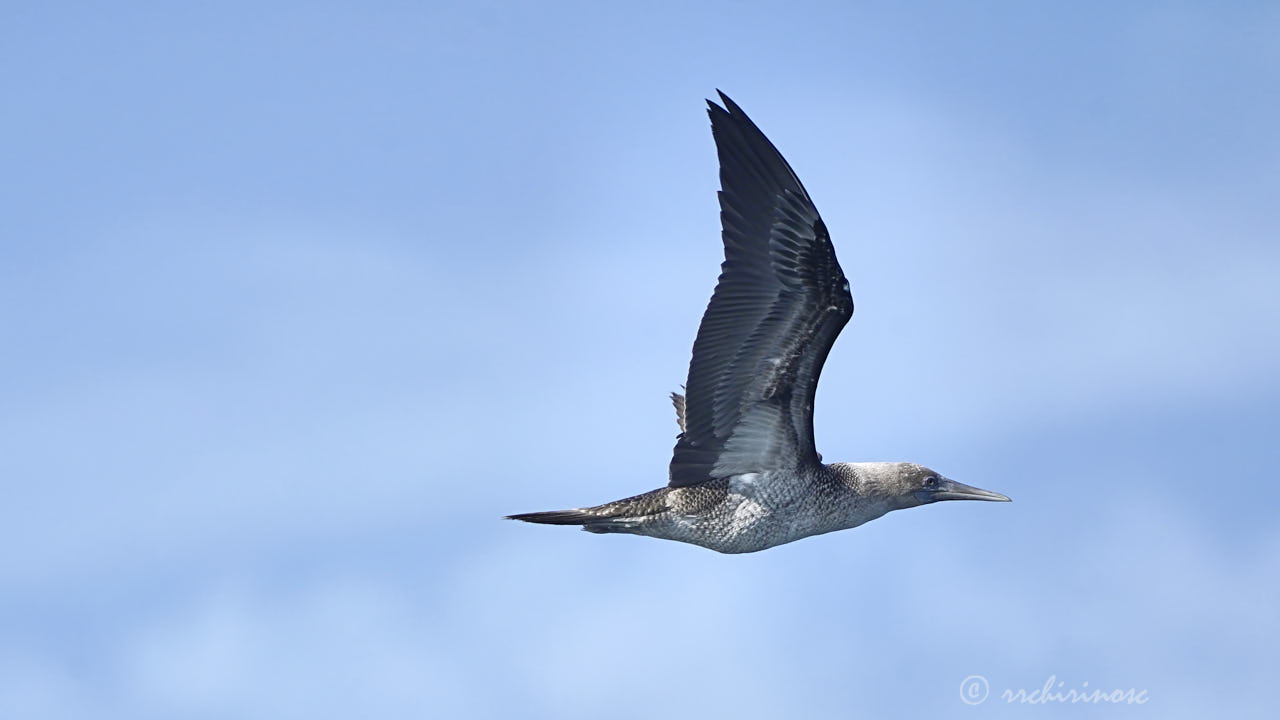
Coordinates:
column 745, row 475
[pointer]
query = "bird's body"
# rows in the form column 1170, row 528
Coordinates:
column 745, row 474
column 748, row 512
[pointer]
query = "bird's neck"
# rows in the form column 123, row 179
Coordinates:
column 874, row 485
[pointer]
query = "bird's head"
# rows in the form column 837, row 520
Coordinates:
column 918, row 485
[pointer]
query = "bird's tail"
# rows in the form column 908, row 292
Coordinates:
column 590, row 521
column 557, row 517
column 621, row 516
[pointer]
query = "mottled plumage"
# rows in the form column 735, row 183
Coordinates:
column 745, row 474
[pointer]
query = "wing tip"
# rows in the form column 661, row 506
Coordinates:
column 726, row 106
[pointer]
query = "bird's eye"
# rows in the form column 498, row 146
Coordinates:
column 931, row 482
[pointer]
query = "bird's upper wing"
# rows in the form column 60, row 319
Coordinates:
column 780, row 303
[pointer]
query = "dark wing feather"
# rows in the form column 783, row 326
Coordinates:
column 678, row 401
column 780, row 303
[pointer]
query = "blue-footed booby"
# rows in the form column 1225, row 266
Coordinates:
column 745, row 475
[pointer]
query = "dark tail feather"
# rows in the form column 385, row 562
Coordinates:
column 620, row 516
column 558, row 517
column 596, row 522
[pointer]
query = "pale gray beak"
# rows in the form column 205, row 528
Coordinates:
column 952, row 490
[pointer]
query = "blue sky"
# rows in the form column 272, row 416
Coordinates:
column 299, row 300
